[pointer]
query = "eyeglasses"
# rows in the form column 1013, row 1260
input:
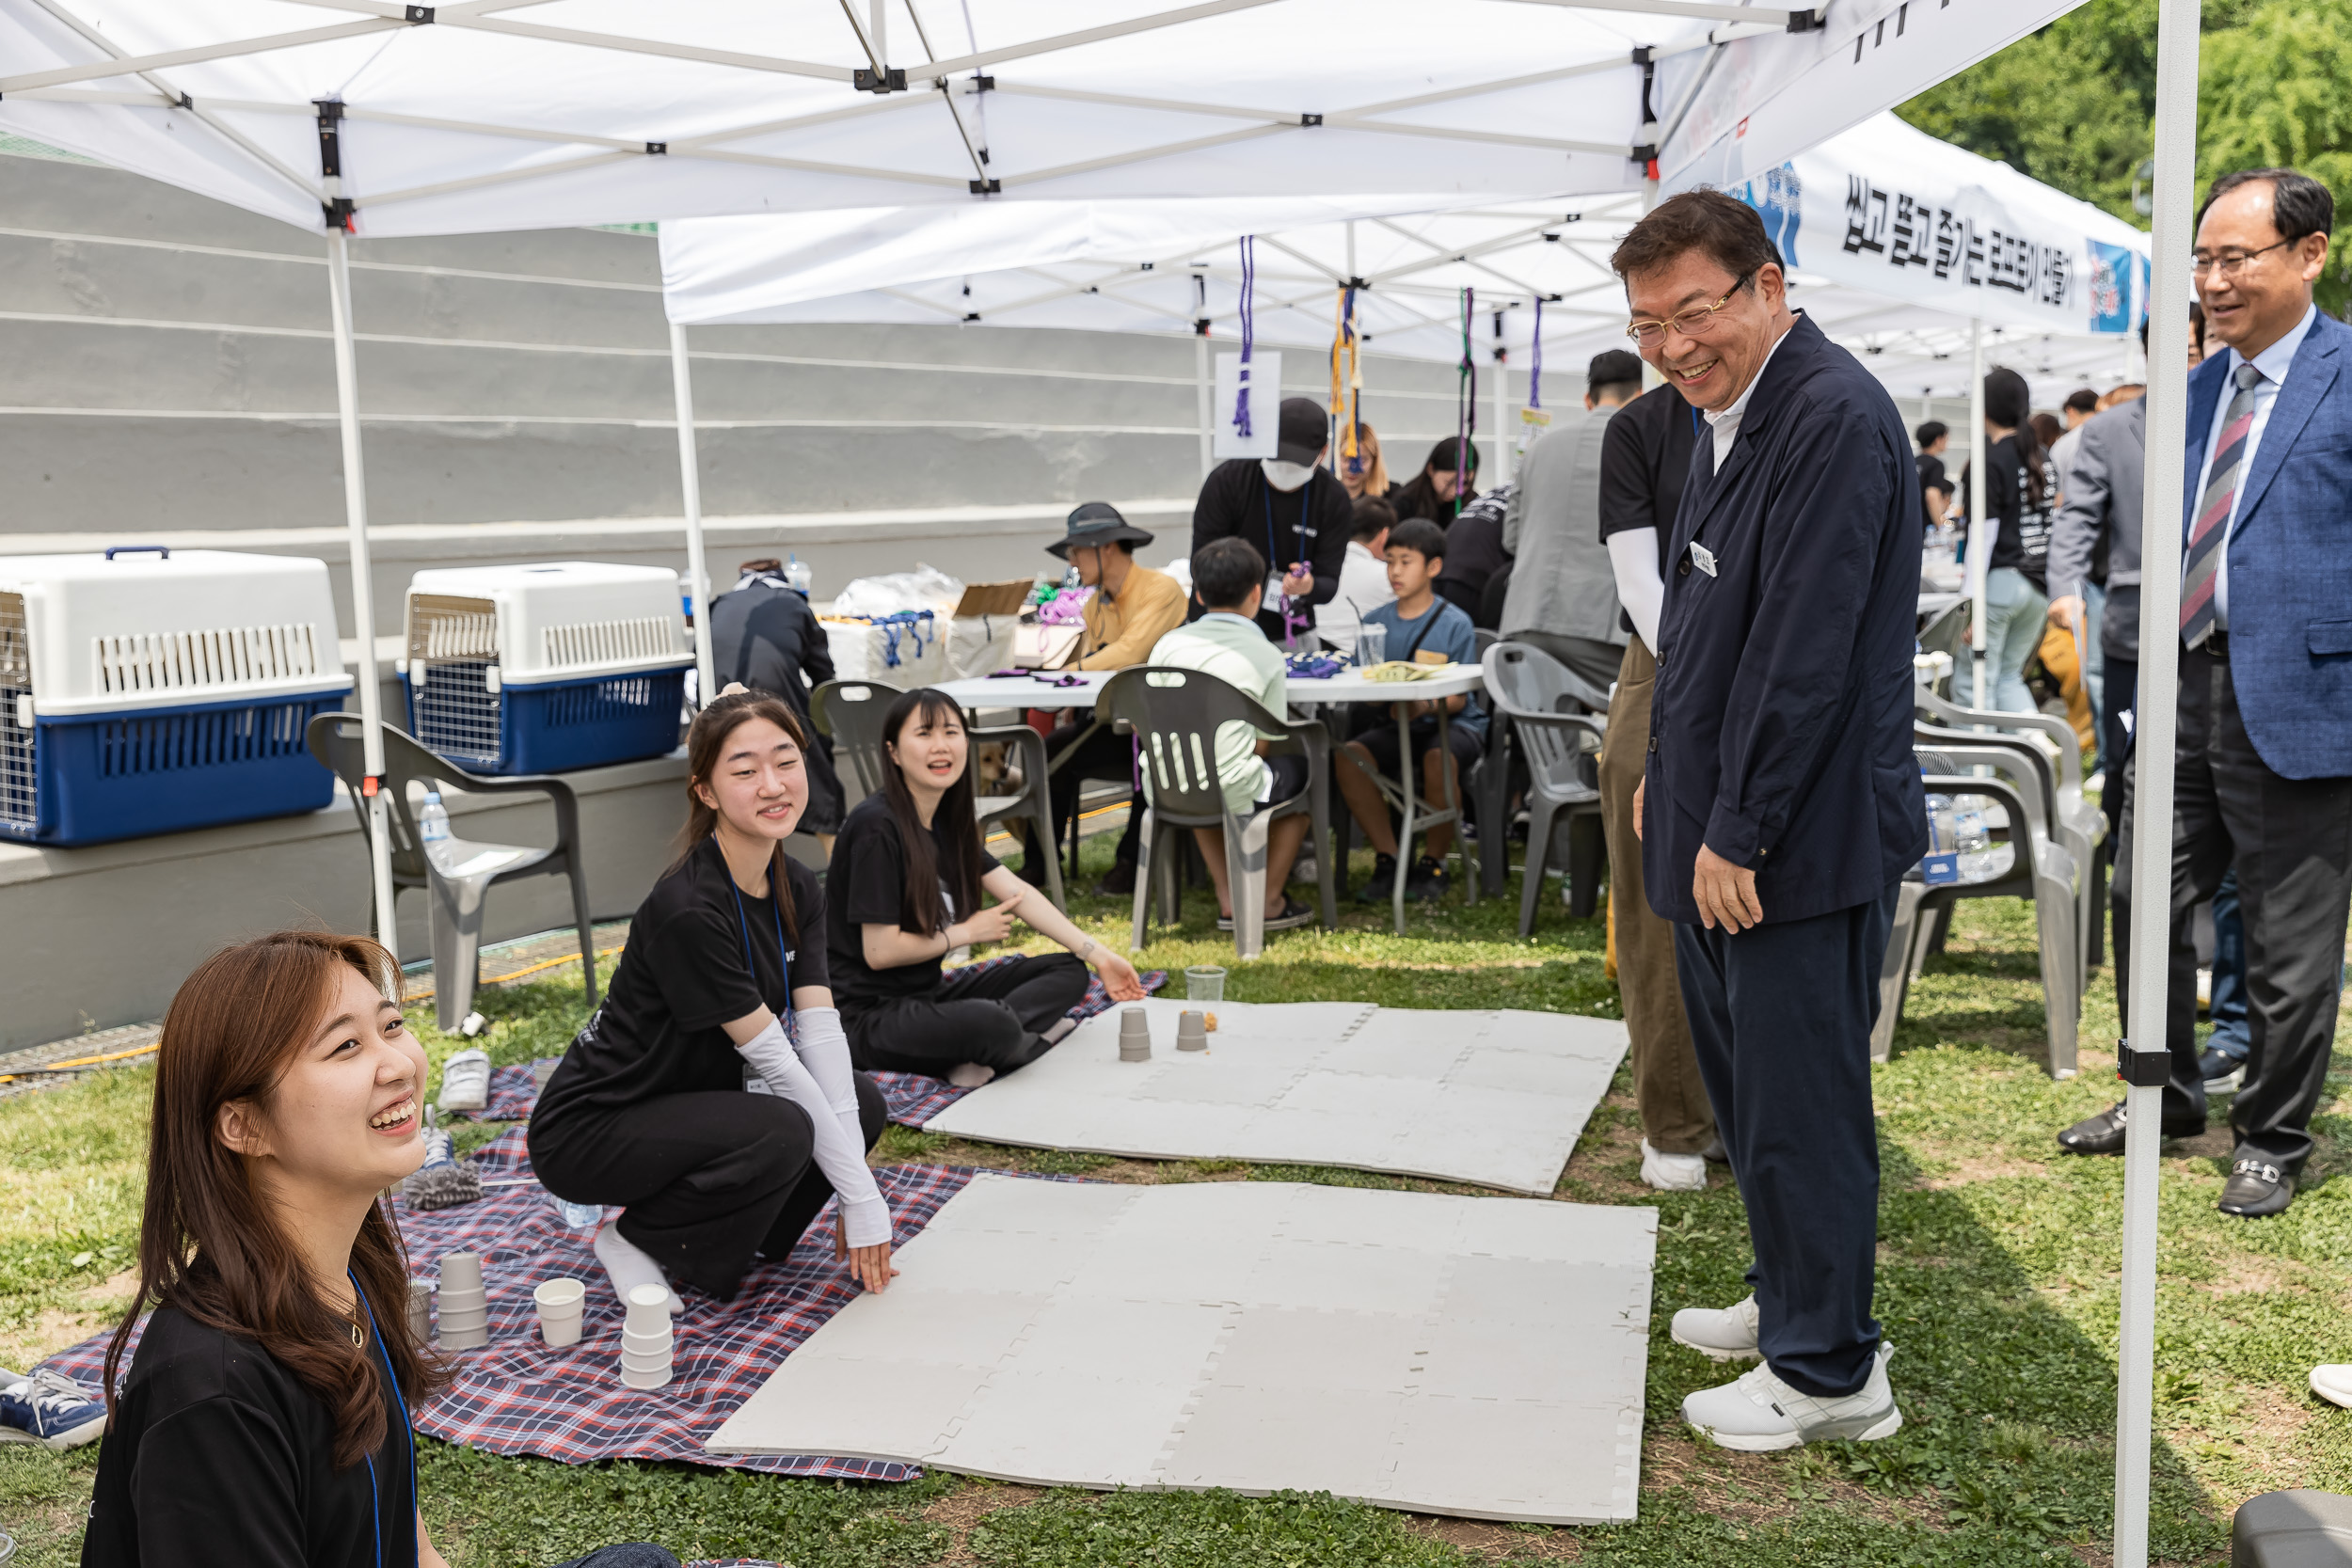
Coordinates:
column 2199, row 263
column 1695, row 323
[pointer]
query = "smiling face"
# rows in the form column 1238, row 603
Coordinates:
column 2254, row 305
column 1713, row 363
column 757, row 783
column 931, row 749
column 346, row 1118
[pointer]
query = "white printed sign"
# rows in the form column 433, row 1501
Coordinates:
column 1265, row 405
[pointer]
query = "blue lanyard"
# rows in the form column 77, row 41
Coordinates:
column 1300, row 532
column 374, row 1497
column 743, row 929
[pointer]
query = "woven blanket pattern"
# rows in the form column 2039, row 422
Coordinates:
column 515, row 1396
column 913, row 1098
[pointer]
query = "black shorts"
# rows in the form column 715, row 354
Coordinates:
column 1379, row 738
column 1290, row 779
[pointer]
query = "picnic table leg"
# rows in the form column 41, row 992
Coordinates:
column 1405, row 787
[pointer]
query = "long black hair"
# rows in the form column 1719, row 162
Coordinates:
column 1418, row 497
column 712, row 725
column 955, row 829
column 2008, row 401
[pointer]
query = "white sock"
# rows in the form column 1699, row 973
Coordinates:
column 964, row 1075
column 631, row 1266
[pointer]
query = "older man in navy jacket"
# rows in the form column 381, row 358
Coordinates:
column 1780, row 804
column 2264, row 752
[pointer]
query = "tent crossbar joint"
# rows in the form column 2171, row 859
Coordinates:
column 421, row 16
column 2142, row 1069
column 889, row 79
column 1310, row 119
column 987, row 187
column 1804, row 21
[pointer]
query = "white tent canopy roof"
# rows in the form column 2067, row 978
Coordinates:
column 506, row 114
column 1161, row 266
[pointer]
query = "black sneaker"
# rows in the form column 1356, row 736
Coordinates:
column 1383, row 884
column 1119, row 882
column 2222, row 1072
column 1427, row 880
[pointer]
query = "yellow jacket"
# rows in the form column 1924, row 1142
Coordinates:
column 1121, row 631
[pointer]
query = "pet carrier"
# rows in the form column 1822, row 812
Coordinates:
column 545, row 669
column 143, row 691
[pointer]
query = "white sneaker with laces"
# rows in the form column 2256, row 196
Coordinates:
column 50, row 1409
column 466, row 1082
column 1720, row 1333
column 1761, row 1413
column 2333, row 1384
column 1673, row 1173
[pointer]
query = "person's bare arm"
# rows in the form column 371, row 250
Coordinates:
column 891, row 947
column 1118, row 976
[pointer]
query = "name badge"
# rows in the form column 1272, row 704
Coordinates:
column 1703, row 558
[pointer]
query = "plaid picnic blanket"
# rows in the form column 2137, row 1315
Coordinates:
column 913, row 1098
column 515, row 1396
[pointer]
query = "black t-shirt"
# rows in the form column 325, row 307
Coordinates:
column 1932, row 476
column 1645, row 462
column 1473, row 550
column 219, row 1458
column 867, row 886
column 2023, row 538
column 696, row 959
column 1308, row 524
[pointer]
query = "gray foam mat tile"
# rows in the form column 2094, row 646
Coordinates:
column 1495, row 1098
column 1477, row 1356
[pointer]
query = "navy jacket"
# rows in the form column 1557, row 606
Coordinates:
column 1780, row 730
column 2290, row 557
column 764, row 634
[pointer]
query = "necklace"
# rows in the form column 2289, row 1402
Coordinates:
column 359, row 1340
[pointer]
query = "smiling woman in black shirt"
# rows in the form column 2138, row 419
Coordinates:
column 904, row 890
column 264, row 1422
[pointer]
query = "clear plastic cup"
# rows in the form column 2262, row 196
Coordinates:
column 1371, row 644
column 1204, row 983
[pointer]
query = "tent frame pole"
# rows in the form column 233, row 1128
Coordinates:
column 1201, row 400
column 363, row 595
column 1503, row 410
column 1979, row 545
column 2144, row 1059
column 691, row 485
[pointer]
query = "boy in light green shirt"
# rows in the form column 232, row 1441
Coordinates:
column 1229, row 580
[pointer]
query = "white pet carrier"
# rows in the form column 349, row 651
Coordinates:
column 546, row 667
column 146, row 691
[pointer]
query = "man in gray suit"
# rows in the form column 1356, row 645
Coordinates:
column 2101, row 487
column 1563, row 596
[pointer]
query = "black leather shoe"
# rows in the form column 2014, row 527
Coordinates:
column 2256, row 1188
column 1118, row 882
column 2104, row 1132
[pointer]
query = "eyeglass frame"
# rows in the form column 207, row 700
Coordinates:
column 1633, row 328
column 2229, row 266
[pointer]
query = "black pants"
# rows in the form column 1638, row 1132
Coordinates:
column 1781, row 1018
column 708, row 1178
column 2292, row 842
column 1103, row 754
column 993, row 1018
column 2123, row 698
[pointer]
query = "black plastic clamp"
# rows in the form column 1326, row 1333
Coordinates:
column 420, row 16
column 1643, row 153
column 987, row 187
column 893, row 79
column 657, row 149
column 1310, row 119
column 2142, row 1069
column 1805, row 22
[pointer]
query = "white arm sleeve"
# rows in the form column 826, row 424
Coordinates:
column 1633, row 556
column 864, row 1217
column 823, row 1048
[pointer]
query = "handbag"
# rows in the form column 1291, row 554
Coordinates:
column 1038, row 646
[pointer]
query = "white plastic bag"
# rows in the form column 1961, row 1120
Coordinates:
column 925, row 588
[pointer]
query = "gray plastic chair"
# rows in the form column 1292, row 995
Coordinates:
column 1175, row 714
column 1541, row 698
column 850, row 713
column 457, row 897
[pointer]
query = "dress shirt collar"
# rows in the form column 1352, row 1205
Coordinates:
column 1725, row 425
column 2274, row 360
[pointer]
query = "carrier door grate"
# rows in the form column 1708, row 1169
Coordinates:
column 20, row 795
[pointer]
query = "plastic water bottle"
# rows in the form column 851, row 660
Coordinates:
column 1979, row 861
column 798, row 575
column 1939, row 866
column 432, row 827
column 578, row 1216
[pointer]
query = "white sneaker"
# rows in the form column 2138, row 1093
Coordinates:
column 2333, row 1384
column 1761, row 1413
column 466, row 1082
column 1726, row 1334
column 1673, row 1173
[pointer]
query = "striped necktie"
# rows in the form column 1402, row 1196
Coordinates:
column 2210, row 533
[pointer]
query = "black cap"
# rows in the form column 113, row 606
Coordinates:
column 1304, row 431
column 1095, row 524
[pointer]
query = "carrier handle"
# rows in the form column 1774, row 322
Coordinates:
column 113, row 550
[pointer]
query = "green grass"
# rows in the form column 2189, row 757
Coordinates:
column 1997, row 1283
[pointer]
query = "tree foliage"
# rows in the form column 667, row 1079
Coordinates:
column 2073, row 104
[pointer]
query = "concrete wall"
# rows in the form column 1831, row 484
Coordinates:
column 97, row 937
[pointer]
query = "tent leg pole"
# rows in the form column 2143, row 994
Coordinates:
column 690, row 484
column 363, row 591
column 1200, row 397
column 2173, row 233
column 1502, row 412
column 1980, row 543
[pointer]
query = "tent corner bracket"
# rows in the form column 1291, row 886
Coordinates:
column 2142, row 1069
column 889, row 79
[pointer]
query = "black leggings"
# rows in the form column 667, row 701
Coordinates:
column 994, row 1017
column 708, row 1178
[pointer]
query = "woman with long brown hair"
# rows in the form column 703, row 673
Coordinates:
column 265, row 1420
column 710, row 1098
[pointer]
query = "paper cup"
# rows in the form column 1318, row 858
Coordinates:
column 559, row 1332
column 464, row 1339
column 420, row 1309
column 634, row 1363
column 651, row 1297
column 460, row 1324
column 645, row 1380
column 461, row 1271
column 647, row 1344
column 560, row 1293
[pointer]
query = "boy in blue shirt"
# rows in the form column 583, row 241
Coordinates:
column 1423, row 629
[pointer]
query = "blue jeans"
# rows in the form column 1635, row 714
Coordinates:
column 2230, row 1035
column 2014, row 611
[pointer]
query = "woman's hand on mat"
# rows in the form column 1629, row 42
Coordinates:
column 992, row 924
column 1119, row 976
column 869, row 1265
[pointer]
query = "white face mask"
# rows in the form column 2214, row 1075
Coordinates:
column 1284, row 477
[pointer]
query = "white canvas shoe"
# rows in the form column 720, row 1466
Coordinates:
column 2333, row 1384
column 1761, row 1413
column 1673, row 1173
column 1720, row 1333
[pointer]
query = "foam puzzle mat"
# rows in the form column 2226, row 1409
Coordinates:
column 1475, row 1357
column 1498, row 1098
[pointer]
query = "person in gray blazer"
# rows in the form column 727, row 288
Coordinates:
column 1563, row 596
column 2102, row 490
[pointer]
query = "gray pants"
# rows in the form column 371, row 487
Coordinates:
column 1591, row 659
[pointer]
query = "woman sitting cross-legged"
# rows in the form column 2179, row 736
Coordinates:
column 720, row 991
column 265, row 1419
column 904, row 892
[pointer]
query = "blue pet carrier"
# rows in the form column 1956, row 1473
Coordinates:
column 545, row 669
column 144, row 693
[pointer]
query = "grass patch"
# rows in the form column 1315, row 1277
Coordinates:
column 1999, row 1259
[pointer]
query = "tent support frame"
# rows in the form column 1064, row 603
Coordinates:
column 691, row 489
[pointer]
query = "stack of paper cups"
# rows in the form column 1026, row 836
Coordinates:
column 465, row 1304
column 1192, row 1031
column 420, row 1310
column 645, row 1339
column 1134, row 1034
column 560, row 1302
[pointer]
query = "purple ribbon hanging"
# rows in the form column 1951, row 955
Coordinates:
column 1535, row 371
column 1249, row 331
